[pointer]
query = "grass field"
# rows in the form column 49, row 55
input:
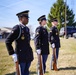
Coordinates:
column 66, row 61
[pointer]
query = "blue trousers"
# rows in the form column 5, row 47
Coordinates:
column 57, row 54
column 44, row 59
column 24, row 68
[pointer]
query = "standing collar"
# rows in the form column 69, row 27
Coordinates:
column 54, row 26
column 22, row 25
column 43, row 26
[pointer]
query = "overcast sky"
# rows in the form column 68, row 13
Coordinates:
column 9, row 8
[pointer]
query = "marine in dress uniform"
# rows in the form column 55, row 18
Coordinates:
column 23, row 51
column 41, row 40
column 54, row 39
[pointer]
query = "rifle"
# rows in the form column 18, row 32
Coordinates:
column 54, row 63
column 40, row 65
column 17, row 68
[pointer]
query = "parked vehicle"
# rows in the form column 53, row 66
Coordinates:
column 69, row 32
column 74, row 35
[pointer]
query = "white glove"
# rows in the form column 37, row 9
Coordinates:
column 53, row 45
column 38, row 51
column 14, row 56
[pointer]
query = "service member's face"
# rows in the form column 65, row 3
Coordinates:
column 24, row 20
column 44, row 22
column 55, row 23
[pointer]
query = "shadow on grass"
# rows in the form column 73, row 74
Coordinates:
column 31, row 73
column 35, row 73
column 11, row 73
column 68, row 68
column 47, row 72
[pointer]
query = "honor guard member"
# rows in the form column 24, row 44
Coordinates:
column 41, row 40
column 21, row 35
column 54, row 40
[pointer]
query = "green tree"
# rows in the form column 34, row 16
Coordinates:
column 58, row 11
